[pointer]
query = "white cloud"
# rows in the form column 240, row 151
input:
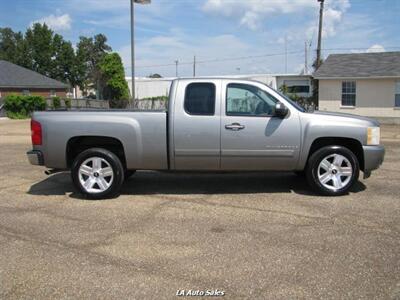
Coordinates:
column 58, row 23
column 376, row 48
column 251, row 13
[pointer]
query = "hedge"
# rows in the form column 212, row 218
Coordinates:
column 21, row 107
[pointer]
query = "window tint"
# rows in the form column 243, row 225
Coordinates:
column 200, row 99
column 397, row 94
column 348, row 93
column 248, row 100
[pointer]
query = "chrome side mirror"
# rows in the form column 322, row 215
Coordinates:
column 281, row 110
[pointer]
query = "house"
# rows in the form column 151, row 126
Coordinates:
column 15, row 79
column 366, row 84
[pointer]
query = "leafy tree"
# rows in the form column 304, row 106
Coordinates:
column 155, row 75
column 115, row 87
column 64, row 64
column 39, row 40
column 89, row 55
column 13, row 46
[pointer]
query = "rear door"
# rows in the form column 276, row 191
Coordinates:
column 196, row 125
column 252, row 138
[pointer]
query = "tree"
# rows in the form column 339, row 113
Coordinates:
column 115, row 88
column 155, row 75
column 64, row 63
column 39, row 40
column 12, row 46
column 89, row 55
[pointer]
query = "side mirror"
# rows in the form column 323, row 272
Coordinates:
column 281, row 110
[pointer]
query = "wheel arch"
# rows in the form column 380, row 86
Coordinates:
column 352, row 144
column 78, row 144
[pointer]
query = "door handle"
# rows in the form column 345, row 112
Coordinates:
column 234, row 127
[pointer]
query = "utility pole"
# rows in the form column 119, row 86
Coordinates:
column 133, row 44
column 194, row 66
column 285, row 54
column 305, row 59
column 321, row 14
column 176, row 68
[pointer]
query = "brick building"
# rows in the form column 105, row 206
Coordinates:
column 15, row 79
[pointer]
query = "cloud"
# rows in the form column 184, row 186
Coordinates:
column 376, row 48
column 58, row 23
column 251, row 13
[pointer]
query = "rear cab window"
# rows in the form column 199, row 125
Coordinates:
column 200, row 99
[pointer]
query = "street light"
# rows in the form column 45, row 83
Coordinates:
column 133, row 42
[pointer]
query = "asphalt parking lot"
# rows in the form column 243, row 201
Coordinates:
column 251, row 235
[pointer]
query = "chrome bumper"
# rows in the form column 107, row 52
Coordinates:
column 35, row 157
column 373, row 157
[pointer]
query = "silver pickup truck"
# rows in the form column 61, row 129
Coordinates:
column 211, row 124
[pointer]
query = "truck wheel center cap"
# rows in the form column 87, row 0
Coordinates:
column 95, row 174
column 334, row 171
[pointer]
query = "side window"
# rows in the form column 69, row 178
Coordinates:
column 200, row 99
column 348, row 93
column 397, row 94
column 248, row 100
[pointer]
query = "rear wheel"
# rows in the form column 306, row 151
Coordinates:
column 97, row 173
column 332, row 170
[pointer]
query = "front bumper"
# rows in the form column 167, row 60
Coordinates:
column 373, row 157
column 35, row 157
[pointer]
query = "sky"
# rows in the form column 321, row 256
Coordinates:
column 227, row 36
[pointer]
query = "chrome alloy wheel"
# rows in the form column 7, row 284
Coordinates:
column 95, row 175
column 335, row 172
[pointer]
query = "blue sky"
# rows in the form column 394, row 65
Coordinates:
column 227, row 36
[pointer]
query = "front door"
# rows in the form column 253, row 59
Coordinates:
column 252, row 138
column 197, row 134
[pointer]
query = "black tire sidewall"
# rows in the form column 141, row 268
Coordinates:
column 115, row 164
column 315, row 160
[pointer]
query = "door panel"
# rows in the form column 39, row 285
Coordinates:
column 251, row 138
column 197, row 134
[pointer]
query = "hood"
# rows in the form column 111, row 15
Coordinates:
column 348, row 116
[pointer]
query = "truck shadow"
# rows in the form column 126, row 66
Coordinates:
column 149, row 183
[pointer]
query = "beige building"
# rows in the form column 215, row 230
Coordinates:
column 366, row 84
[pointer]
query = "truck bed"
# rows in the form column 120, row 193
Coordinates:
column 143, row 134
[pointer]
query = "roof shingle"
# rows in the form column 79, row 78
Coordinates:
column 360, row 65
column 14, row 76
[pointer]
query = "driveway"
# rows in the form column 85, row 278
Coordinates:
column 250, row 235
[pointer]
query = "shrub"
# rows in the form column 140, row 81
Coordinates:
column 19, row 107
column 67, row 103
column 56, row 102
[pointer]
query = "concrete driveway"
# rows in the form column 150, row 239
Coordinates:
column 250, row 235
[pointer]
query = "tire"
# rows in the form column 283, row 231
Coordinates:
column 129, row 173
column 101, row 171
column 332, row 170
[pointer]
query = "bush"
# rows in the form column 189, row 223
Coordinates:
column 56, row 102
column 67, row 103
column 20, row 107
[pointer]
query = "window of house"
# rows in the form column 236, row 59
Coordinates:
column 348, row 93
column 397, row 94
column 248, row 100
column 298, row 89
column 26, row 92
column 200, row 99
column 53, row 93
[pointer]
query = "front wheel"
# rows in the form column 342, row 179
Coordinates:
column 97, row 173
column 332, row 170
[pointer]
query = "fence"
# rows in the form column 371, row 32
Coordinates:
column 150, row 104
column 80, row 103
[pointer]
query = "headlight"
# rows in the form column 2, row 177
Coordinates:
column 374, row 136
